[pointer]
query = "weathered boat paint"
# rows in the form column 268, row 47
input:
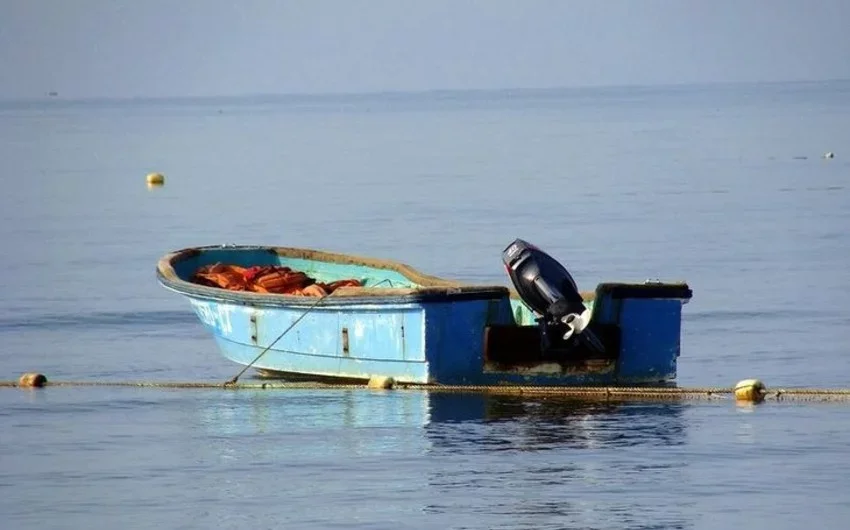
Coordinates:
column 404, row 324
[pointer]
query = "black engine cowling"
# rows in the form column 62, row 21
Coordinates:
column 550, row 291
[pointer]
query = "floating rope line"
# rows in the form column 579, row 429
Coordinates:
column 748, row 390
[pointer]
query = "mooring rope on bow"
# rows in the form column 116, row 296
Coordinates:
column 236, row 377
column 312, row 306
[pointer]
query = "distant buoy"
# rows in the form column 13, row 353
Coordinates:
column 381, row 383
column 829, row 154
column 155, row 179
column 751, row 390
column 32, row 380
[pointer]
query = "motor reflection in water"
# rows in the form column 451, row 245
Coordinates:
column 545, row 462
column 534, row 423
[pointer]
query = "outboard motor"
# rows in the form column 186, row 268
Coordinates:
column 547, row 287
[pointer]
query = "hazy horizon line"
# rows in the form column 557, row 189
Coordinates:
column 55, row 95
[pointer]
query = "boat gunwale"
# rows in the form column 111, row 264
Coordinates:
column 431, row 288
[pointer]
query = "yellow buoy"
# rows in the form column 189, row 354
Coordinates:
column 381, row 383
column 751, row 390
column 32, row 379
column 155, row 179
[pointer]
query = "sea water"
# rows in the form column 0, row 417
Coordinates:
column 723, row 186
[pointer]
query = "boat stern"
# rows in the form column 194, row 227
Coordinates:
column 647, row 318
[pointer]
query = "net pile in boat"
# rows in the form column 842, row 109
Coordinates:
column 266, row 279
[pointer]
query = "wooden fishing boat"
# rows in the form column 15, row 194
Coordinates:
column 327, row 315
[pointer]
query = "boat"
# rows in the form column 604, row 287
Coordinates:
column 358, row 318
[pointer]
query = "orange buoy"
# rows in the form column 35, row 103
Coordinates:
column 32, row 380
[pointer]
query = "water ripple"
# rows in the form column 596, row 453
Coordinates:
column 107, row 319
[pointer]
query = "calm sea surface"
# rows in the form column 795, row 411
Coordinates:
column 723, row 186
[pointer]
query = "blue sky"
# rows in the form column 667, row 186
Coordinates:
column 153, row 48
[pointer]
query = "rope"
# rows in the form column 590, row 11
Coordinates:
column 267, row 348
column 601, row 393
column 236, row 377
column 184, row 384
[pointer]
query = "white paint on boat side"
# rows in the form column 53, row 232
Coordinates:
column 359, row 329
column 214, row 315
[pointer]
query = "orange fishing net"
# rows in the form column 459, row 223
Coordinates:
column 266, row 279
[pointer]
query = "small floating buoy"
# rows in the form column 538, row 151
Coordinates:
column 32, row 380
column 751, row 390
column 381, row 383
column 155, row 179
column 829, row 154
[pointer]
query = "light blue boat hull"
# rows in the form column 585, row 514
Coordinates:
column 421, row 329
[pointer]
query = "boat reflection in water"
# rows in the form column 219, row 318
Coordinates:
column 443, row 419
column 448, row 459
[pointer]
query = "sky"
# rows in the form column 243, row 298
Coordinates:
column 163, row 48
